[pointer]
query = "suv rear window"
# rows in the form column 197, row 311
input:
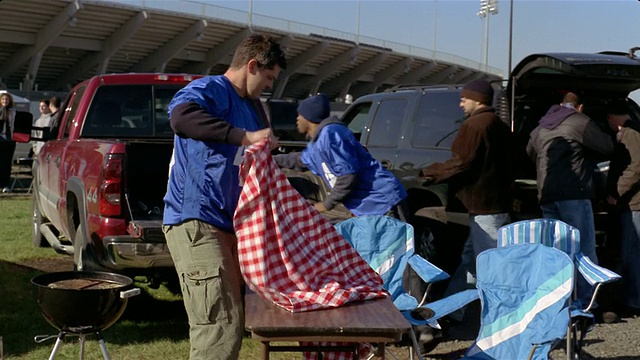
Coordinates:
column 439, row 118
column 130, row 111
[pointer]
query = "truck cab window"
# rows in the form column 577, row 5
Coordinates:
column 130, row 111
column 161, row 98
column 72, row 110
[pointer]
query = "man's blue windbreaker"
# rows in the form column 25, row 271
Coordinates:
column 336, row 152
column 203, row 180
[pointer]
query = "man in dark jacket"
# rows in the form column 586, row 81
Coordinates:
column 479, row 174
column 562, row 147
column 623, row 189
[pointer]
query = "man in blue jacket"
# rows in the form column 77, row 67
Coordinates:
column 213, row 118
column 356, row 179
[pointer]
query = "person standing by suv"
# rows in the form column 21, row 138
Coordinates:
column 44, row 121
column 357, row 180
column 479, row 174
column 561, row 146
column 213, row 117
column 623, row 189
column 7, row 145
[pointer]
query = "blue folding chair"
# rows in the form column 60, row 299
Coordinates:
column 559, row 235
column 525, row 294
column 387, row 244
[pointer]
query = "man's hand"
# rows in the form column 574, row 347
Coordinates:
column 252, row 137
column 320, row 207
column 611, row 200
column 427, row 180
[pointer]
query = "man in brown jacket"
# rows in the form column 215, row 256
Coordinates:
column 623, row 188
column 479, row 174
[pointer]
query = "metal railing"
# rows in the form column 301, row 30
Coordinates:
column 224, row 14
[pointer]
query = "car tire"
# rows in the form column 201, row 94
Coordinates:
column 428, row 338
column 37, row 219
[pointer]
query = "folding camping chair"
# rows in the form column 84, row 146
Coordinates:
column 21, row 174
column 525, row 293
column 387, row 244
column 557, row 234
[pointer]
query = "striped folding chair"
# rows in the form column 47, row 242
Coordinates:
column 559, row 235
column 525, row 292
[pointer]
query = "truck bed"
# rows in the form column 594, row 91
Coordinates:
column 147, row 174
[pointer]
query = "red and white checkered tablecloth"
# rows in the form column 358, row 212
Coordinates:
column 289, row 253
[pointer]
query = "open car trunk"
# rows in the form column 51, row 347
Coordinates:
column 541, row 80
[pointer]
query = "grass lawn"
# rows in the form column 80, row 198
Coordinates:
column 154, row 325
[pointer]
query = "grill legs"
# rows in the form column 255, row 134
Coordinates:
column 56, row 347
column 60, row 339
column 103, row 346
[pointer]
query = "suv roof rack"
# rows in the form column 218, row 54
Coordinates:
column 405, row 87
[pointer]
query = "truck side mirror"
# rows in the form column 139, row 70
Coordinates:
column 22, row 126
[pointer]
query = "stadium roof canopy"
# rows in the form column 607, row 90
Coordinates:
column 53, row 44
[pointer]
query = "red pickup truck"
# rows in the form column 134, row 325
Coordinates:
column 100, row 178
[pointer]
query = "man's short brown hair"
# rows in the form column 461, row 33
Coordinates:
column 265, row 49
column 571, row 98
column 55, row 101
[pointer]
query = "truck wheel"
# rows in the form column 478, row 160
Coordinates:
column 36, row 220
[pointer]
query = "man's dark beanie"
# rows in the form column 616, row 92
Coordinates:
column 315, row 108
column 478, row 90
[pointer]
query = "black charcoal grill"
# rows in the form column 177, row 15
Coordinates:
column 81, row 303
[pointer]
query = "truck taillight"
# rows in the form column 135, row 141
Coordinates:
column 110, row 195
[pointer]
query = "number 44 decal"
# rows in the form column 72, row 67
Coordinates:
column 92, row 195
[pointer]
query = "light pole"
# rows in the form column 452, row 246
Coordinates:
column 435, row 25
column 487, row 7
column 250, row 15
column 358, row 23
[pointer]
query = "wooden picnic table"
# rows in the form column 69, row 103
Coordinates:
column 375, row 321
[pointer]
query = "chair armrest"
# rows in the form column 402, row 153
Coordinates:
column 428, row 272
column 444, row 306
column 593, row 273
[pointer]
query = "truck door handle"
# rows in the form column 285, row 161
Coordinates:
column 386, row 164
column 57, row 161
